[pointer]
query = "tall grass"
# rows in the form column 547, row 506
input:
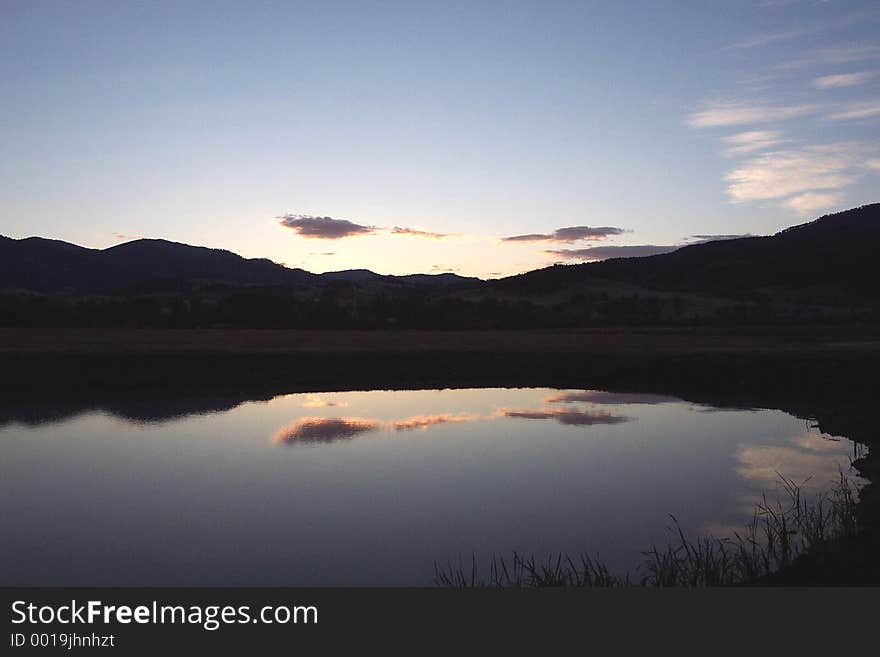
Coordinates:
column 778, row 533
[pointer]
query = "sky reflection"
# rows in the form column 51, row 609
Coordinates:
column 391, row 481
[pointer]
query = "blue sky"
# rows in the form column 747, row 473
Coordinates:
column 259, row 126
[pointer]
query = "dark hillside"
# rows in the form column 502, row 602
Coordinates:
column 836, row 251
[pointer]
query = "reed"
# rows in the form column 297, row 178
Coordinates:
column 780, row 531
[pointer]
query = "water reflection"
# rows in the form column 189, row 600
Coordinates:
column 390, row 482
column 424, row 421
column 323, row 430
column 330, row 429
column 574, row 418
column 603, row 397
column 800, row 459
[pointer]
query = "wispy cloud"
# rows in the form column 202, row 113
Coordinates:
column 591, row 254
column 772, row 37
column 839, row 22
column 811, row 202
column 751, row 141
column 860, row 110
column 723, row 113
column 835, row 55
column 700, row 239
column 569, row 234
column 413, row 232
column 795, row 171
column 326, row 228
column 842, row 80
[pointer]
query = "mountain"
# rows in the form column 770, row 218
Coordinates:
column 53, row 266
column 836, row 251
column 818, row 273
column 144, row 265
column 366, row 276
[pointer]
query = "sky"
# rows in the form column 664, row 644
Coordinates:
column 481, row 138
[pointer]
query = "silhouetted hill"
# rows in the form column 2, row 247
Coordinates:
column 53, row 266
column 351, row 275
column 365, row 275
column 143, row 265
column 835, row 251
column 823, row 272
column 446, row 278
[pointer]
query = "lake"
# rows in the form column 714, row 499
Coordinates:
column 371, row 488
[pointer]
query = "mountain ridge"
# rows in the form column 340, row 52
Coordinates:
column 835, row 251
column 54, row 266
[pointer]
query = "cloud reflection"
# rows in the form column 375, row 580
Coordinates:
column 326, row 430
column 317, row 402
column 323, row 430
column 807, row 457
column 573, row 418
column 603, row 397
column 425, row 421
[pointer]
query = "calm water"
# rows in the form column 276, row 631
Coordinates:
column 373, row 487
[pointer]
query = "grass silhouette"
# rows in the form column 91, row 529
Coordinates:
column 778, row 533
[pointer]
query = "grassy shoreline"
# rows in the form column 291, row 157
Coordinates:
column 780, row 534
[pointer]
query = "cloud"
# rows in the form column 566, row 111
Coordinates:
column 397, row 230
column 701, row 239
column 835, row 55
column 605, row 252
column 570, row 234
column 843, row 21
column 772, row 37
column 314, row 401
column 572, row 418
column 873, row 163
column 743, row 143
column 603, row 397
column 732, row 112
column 861, row 110
column 323, row 430
column 842, row 80
column 809, row 203
column 795, row 171
column 325, row 228
column 424, row 421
